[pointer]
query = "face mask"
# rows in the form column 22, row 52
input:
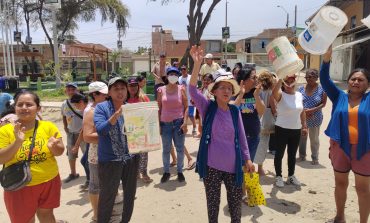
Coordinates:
column 173, row 79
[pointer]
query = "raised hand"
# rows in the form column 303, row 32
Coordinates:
column 257, row 92
column 53, row 141
column 327, row 55
column 197, row 54
column 19, row 132
column 113, row 119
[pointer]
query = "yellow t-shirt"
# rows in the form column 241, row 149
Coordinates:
column 44, row 167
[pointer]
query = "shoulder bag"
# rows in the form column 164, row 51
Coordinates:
column 18, row 175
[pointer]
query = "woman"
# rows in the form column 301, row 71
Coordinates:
column 98, row 92
column 173, row 110
column 314, row 99
column 42, row 194
column 135, row 96
column 268, row 119
column 348, row 131
column 251, row 107
column 206, row 80
column 290, row 124
column 223, row 149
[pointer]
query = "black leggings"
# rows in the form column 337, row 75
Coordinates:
column 286, row 137
column 212, row 183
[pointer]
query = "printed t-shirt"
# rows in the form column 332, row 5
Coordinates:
column 43, row 164
column 249, row 113
column 74, row 123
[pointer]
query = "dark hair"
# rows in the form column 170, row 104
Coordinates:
column 36, row 98
column 76, row 98
column 312, row 72
column 240, row 65
column 244, row 74
column 209, row 76
column 361, row 70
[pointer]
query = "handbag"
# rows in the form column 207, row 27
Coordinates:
column 18, row 175
column 268, row 122
column 254, row 189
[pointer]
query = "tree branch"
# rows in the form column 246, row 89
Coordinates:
column 208, row 15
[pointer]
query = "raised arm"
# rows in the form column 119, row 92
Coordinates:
column 276, row 92
column 197, row 55
column 327, row 84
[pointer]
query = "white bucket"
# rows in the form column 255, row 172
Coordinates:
column 323, row 30
column 366, row 21
column 284, row 57
column 142, row 127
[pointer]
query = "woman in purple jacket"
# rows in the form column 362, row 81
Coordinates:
column 219, row 158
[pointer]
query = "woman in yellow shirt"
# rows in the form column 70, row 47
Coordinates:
column 42, row 194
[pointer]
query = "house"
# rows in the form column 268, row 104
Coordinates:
column 163, row 41
column 353, row 43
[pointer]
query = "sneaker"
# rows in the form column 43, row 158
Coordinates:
column 71, row 177
column 165, row 177
column 180, row 177
column 85, row 185
column 279, row 182
column 293, row 180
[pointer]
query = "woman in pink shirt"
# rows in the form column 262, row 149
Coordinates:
column 173, row 106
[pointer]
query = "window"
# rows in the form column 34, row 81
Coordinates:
column 353, row 22
column 263, row 44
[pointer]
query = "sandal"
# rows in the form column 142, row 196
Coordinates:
column 191, row 164
column 335, row 220
column 315, row 162
column 245, row 199
column 173, row 164
column 146, row 179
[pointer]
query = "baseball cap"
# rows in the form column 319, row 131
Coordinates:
column 71, row 84
column 115, row 80
column 98, row 86
column 172, row 69
column 209, row 56
column 132, row 80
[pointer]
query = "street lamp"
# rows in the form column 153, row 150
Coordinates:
column 287, row 15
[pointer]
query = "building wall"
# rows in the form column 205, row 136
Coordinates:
column 240, row 46
column 259, row 45
column 140, row 65
column 341, row 61
column 354, row 9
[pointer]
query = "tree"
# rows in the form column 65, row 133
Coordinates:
column 197, row 24
column 72, row 11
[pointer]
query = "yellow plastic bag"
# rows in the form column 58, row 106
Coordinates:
column 254, row 190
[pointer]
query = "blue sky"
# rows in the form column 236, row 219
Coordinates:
column 245, row 18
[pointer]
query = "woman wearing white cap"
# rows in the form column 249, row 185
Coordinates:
column 223, row 149
column 98, row 92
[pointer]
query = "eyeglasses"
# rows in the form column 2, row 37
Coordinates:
column 310, row 77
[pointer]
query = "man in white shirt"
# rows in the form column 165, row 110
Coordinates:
column 210, row 66
column 159, row 71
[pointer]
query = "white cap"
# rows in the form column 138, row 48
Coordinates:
column 209, row 56
column 98, row 86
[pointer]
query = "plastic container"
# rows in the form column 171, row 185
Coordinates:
column 284, row 57
column 142, row 127
column 366, row 21
column 323, row 30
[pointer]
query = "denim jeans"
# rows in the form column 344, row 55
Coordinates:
column 85, row 163
column 252, row 145
column 172, row 131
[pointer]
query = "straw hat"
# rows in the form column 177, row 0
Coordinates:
column 222, row 75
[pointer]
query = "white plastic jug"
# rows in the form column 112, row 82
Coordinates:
column 366, row 21
column 323, row 30
column 142, row 127
column 284, row 57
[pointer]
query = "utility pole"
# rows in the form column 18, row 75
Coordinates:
column 295, row 20
column 226, row 38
